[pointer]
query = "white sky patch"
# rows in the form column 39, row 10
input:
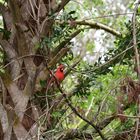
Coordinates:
column 1, row 23
column 101, row 40
column 97, row 37
column 98, row 41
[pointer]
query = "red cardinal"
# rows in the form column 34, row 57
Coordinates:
column 59, row 74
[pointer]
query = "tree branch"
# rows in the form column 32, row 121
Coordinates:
column 135, row 39
column 65, row 42
column 137, row 62
column 59, row 55
column 61, row 5
column 73, row 66
column 97, row 25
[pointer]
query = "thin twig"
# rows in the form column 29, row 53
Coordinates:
column 33, row 10
column 136, row 62
column 135, row 39
column 137, row 121
column 19, row 58
column 128, row 116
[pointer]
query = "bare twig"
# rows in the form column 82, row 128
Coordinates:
column 137, row 62
column 137, row 121
column 19, row 58
column 32, row 8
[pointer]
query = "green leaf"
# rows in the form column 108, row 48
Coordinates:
column 6, row 33
column 72, row 12
column 43, row 83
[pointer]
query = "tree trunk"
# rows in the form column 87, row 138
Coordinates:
column 28, row 23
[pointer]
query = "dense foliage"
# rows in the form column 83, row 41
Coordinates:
column 99, row 97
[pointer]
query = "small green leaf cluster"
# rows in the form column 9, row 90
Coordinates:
column 61, row 30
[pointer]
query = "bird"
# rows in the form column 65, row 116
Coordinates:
column 59, row 75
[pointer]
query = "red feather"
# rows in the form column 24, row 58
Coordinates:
column 59, row 74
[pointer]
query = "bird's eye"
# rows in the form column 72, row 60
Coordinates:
column 61, row 69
